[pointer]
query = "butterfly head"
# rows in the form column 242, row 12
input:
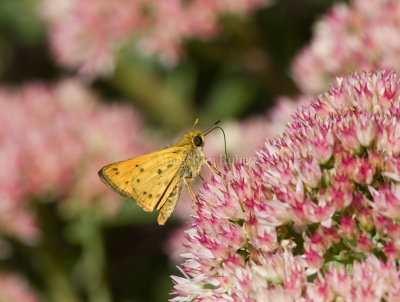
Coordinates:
column 194, row 138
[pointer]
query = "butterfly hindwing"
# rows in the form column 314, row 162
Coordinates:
column 148, row 179
column 169, row 205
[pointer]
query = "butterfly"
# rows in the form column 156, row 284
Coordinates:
column 154, row 181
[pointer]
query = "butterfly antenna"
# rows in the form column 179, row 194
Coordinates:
column 223, row 132
column 195, row 123
column 208, row 129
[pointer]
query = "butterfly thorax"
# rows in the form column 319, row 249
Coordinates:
column 193, row 164
column 193, row 141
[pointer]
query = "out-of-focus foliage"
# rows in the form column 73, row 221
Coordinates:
column 63, row 235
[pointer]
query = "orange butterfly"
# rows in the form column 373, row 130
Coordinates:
column 154, row 181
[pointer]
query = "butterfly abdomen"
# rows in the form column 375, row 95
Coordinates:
column 169, row 205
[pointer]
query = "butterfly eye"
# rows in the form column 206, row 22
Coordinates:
column 197, row 141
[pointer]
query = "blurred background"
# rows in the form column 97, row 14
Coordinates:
column 87, row 83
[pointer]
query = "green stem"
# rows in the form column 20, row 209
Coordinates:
column 58, row 284
column 263, row 66
column 152, row 93
column 93, row 260
column 50, row 258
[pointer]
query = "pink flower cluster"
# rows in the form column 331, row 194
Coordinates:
column 361, row 36
column 53, row 140
column 316, row 216
column 86, row 34
column 15, row 289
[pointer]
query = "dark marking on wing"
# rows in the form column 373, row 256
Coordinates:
column 170, row 166
column 150, row 195
column 144, row 193
column 126, row 182
column 159, row 171
column 141, row 170
column 115, row 169
column 138, row 180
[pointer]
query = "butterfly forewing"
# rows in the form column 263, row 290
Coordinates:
column 148, row 179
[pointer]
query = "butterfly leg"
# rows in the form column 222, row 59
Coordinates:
column 214, row 170
column 186, row 180
column 218, row 173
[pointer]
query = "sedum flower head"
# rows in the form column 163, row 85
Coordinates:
column 87, row 34
column 363, row 35
column 53, row 140
column 15, row 289
column 315, row 217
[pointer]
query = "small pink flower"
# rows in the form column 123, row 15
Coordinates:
column 14, row 289
column 392, row 168
column 340, row 280
column 320, row 291
column 362, row 172
column 364, row 244
column 393, row 231
column 365, row 219
column 387, row 200
column 314, row 259
column 391, row 251
column 310, row 172
column 261, row 234
column 348, row 227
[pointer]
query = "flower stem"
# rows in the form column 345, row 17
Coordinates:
column 93, row 259
column 153, row 93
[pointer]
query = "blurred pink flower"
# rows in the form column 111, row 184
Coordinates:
column 361, row 36
column 313, row 217
column 14, row 289
column 86, row 34
column 53, row 141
